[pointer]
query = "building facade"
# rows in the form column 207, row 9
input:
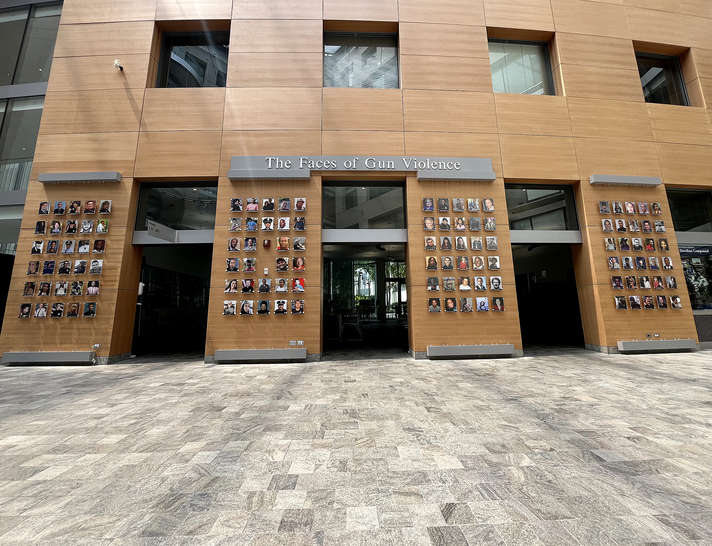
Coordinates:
column 208, row 160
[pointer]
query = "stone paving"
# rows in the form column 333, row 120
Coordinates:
column 562, row 447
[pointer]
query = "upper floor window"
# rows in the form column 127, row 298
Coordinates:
column 362, row 60
column 19, row 126
column 27, row 38
column 193, row 59
column 661, row 78
column 520, row 67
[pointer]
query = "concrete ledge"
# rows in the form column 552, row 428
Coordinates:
column 259, row 355
column 615, row 180
column 47, row 357
column 469, row 351
column 70, row 178
column 657, row 345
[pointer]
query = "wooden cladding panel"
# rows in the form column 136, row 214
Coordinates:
column 680, row 125
column 192, row 109
column 591, row 18
column 529, row 14
column 362, row 143
column 178, row 154
column 193, row 9
column 275, row 70
column 544, row 115
column 601, row 83
column 277, row 9
column 603, row 51
column 449, row 111
column 272, row 109
column 362, row 109
column 112, row 39
column 465, row 12
column 647, row 25
column 107, row 11
column 539, row 157
column 98, row 72
column 702, row 60
column 428, row 39
column 363, row 10
column 685, row 164
column 277, row 36
column 616, row 119
column 446, row 73
column 266, row 143
column 612, row 156
column 455, row 145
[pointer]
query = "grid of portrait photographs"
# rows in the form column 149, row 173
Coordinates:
column 483, row 267
column 270, row 214
column 640, row 270
column 63, row 255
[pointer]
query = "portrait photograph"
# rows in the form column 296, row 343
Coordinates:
column 233, row 244
column 648, row 302
column 57, row 310
column 482, row 304
column 464, row 284
column 229, row 307
column 251, row 224
column 102, row 226
column 232, row 286
column 609, row 243
column 473, row 205
column 443, row 204
column 40, row 227
column 33, row 268
column 478, row 263
column 667, row 263
column 268, row 224
column 675, row 302
column 498, row 304
column 492, row 243
column 445, row 243
column 617, row 283
column 70, row 227
column 83, row 246
column 475, row 223
column 429, row 223
column 458, row 204
column 246, row 307
column 653, row 263
column 614, row 262
column 659, row 226
column 433, row 305
column 90, row 207
column 299, row 263
column 623, row 244
column 448, row 263
column 52, row 247
column 633, row 226
column 428, row 204
column 300, row 204
column 493, row 262
column 628, row 262
column 657, row 281
column 99, row 246
column 105, row 206
column 480, row 283
column 640, row 263
column 450, row 305
column 300, row 244
column 29, row 290
column 466, row 305
column 461, row 243
column 283, row 223
column 662, row 302
column 607, row 225
column 496, row 283
column 430, row 243
column 448, row 284
column 48, row 268
column 250, row 244
column 55, row 227
column 96, row 267
column 282, row 264
column 476, row 243
column 490, row 223
column 604, row 207
column 620, row 226
column 234, row 224
column 249, row 265
column 247, row 286
column 37, row 247
column 463, row 263
column 68, row 246
column 647, row 226
column 252, row 204
column 44, row 208
column 280, row 307
column 72, row 310
column 268, row 204
column 298, row 285
column 232, row 265
column 236, row 204
column 488, row 205
column 263, row 307
column 281, row 285
column 284, row 204
column 283, row 243
column 45, row 289
column 650, row 245
column 634, row 302
column 40, row 310
column 643, row 208
column 264, row 286
column 300, row 223
column 617, row 207
column 444, row 223
column 460, row 224
column 433, row 284
column 631, row 283
column 86, row 226
column 629, row 207
column 621, row 302
column 75, row 207
column 25, row 310
column 656, row 209
column 61, row 288
column 65, row 268
column 644, row 282
column 297, row 307
column 671, row 282
column 77, row 288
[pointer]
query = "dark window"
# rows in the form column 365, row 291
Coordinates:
column 540, row 207
column 38, row 46
column 520, row 67
column 376, row 206
column 691, row 210
column 12, row 29
column 182, row 206
column 661, row 78
column 18, row 137
column 361, row 60
column 193, row 59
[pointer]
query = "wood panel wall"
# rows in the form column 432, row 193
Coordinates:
column 97, row 118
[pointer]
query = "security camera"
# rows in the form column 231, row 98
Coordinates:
column 117, row 65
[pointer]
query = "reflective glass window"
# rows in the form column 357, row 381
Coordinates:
column 18, row 137
column 661, row 78
column 355, row 207
column 361, row 60
column 194, row 59
column 691, row 210
column 38, row 46
column 541, row 207
column 520, row 67
column 12, row 28
column 178, row 206
column 697, row 268
column 10, row 220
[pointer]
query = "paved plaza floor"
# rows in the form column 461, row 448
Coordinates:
column 562, row 447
